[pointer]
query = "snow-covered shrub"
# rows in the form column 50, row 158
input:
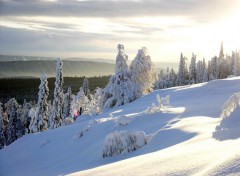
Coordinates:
column 231, row 105
column 162, row 103
column 68, row 121
column 122, row 121
column 121, row 142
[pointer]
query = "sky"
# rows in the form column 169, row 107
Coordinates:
column 92, row 29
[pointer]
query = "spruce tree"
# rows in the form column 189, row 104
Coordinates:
column 86, row 88
column 199, row 77
column 42, row 105
column 205, row 72
column 11, row 109
column 57, row 111
column 120, row 89
column 182, row 76
column 68, row 97
column 192, row 70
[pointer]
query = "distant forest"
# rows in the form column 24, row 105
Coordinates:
column 27, row 88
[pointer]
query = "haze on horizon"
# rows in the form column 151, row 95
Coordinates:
column 92, row 29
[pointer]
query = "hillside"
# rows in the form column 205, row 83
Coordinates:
column 30, row 66
column 181, row 140
column 34, row 68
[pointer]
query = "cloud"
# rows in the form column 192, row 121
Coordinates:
column 199, row 10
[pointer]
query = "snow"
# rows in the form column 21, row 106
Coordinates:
column 183, row 138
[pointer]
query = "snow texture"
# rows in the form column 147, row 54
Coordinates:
column 184, row 139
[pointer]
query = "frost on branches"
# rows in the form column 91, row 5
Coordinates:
column 41, row 118
column 161, row 107
column 231, row 106
column 143, row 72
column 57, row 111
column 122, row 142
column 120, row 89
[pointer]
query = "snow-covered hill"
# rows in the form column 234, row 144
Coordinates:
column 180, row 140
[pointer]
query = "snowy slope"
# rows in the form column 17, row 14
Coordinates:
column 183, row 139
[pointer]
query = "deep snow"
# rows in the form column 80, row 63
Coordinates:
column 184, row 139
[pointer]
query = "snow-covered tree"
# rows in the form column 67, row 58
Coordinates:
column 68, row 97
column 79, row 103
column 25, row 116
column 96, row 104
column 235, row 64
column 11, row 109
column 213, row 68
column 161, row 82
column 57, row 111
column 205, row 71
column 192, row 70
column 42, row 105
column 86, row 88
column 199, row 72
column 143, row 72
column 120, row 89
column 182, row 76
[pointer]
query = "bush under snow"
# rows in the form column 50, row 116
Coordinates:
column 122, row 121
column 121, row 142
column 162, row 103
column 228, row 116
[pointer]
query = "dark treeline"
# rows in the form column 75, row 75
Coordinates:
column 27, row 88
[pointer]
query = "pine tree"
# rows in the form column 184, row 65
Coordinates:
column 205, row 72
column 68, row 97
column 182, row 76
column 120, row 89
column 235, row 64
column 143, row 72
column 11, row 109
column 26, row 118
column 86, row 88
column 199, row 77
column 192, row 70
column 42, row 105
column 57, row 111
column 172, row 78
column 213, row 69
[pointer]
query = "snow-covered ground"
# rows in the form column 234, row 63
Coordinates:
column 180, row 140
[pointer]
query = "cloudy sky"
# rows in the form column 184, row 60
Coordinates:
column 92, row 29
